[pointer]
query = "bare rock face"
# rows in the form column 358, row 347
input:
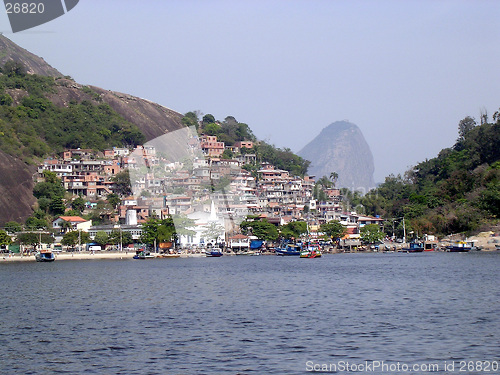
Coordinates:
column 341, row 148
column 16, row 189
column 34, row 64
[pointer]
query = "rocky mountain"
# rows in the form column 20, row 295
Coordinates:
column 16, row 182
column 34, row 64
column 341, row 148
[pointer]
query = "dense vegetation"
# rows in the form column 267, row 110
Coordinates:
column 458, row 191
column 35, row 127
column 231, row 131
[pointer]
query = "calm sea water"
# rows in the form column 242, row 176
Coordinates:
column 250, row 315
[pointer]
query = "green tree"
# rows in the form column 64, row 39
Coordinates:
column 78, row 204
column 4, row 238
column 57, row 206
column 333, row 229
column 34, row 239
column 51, row 177
column 212, row 129
column 122, row 183
column 13, row 68
column 190, row 119
column 33, row 223
column 48, row 190
column 101, row 238
column 6, row 99
column 12, row 227
column 294, row 229
column 44, row 204
column 116, row 237
column 208, row 119
column 227, row 154
column 465, row 126
column 158, row 230
column 262, row 229
column 334, row 177
column 371, row 233
column 74, row 238
column 113, row 199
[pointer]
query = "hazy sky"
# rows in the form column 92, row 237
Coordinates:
column 406, row 72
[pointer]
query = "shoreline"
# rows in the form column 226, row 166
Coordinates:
column 84, row 255
column 129, row 256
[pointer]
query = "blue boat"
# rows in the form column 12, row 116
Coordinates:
column 414, row 247
column 461, row 247
column 214, row 253
column 289, row 249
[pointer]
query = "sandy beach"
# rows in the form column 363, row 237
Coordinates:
column 84, row 255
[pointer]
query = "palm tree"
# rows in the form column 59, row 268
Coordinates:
column 334, row 176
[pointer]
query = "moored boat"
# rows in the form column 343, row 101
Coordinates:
column 290, row 249
column 461, row 247
column 413, row 247
column 143, row 254
column 310, row 254
column 311, row 251
column 169, row 255
column 45, row 256
column 430, row 246
column 214, row 254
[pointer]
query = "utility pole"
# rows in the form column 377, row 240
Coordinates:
column 404, row 231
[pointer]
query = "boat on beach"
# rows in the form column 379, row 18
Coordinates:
column 311, row 251
column 290, row 249
column 45, row 256
column 413, row 247
column 143, row 254
column 213, row 254
column 169, row 255
column 461, row 247
column 310, row 254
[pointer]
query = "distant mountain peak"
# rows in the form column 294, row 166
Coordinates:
column 341, row 147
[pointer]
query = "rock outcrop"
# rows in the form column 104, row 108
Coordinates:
column 341, row 148
column 33, row 63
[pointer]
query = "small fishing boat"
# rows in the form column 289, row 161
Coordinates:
column 413, row 247
column 430, row 245
column 310, row 254
column 312, row 251
column 214, row 253
column 143, row 254
column 290, row 249
column 245, row 252
column 45, row 256
column 169, row 255
column 461, row 247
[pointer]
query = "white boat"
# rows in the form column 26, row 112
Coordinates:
column 45, row 256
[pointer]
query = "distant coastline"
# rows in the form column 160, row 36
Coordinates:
column 84, row 255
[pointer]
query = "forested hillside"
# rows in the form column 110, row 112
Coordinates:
column 457, row 191
column 231, row 131
column 32, row 126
